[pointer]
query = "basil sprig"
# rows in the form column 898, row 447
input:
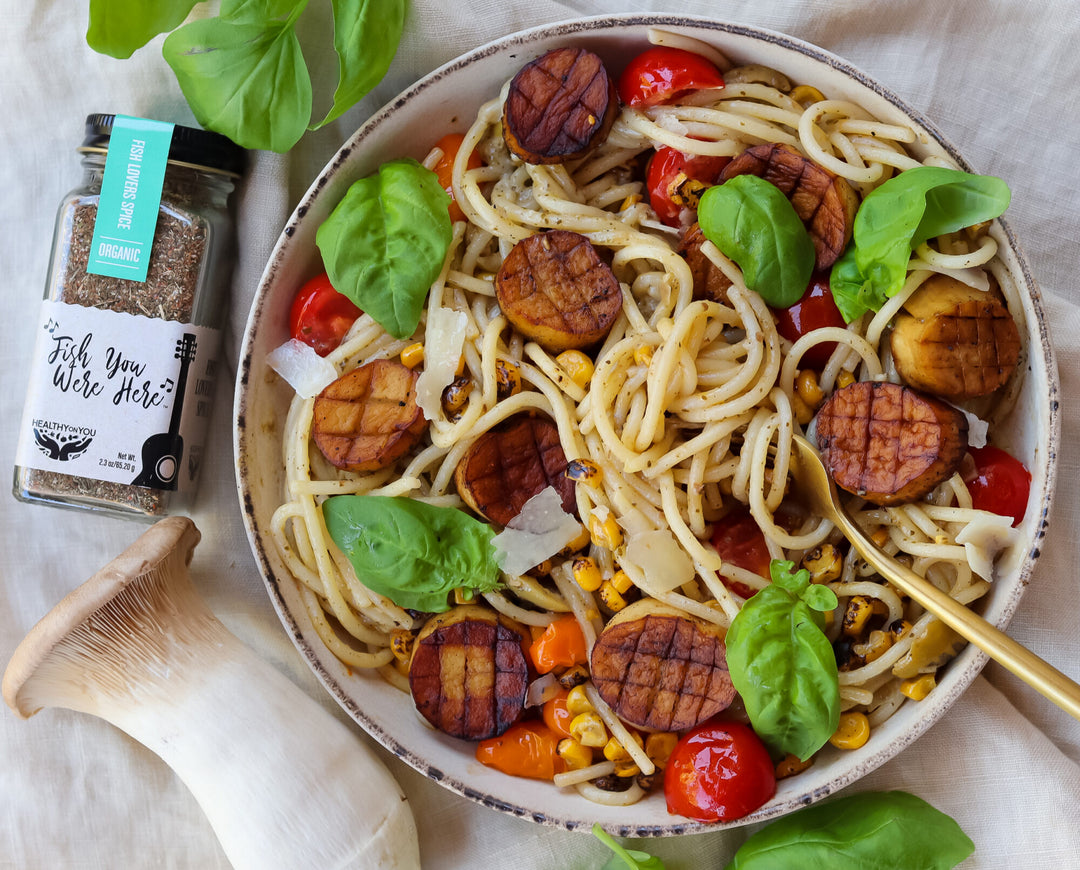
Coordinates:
column 751, row 221
column 384, row 243
column 625, row 859
column 412, row 552
column 899, row 215
column 883, row 830
column 783, row 665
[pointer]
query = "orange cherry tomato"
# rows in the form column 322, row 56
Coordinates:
column 561, row 645
column 557, row 717
column 526, row 749
column 661, row 74
column 718, row 771
column 450, row 144
column 739, row 540
column 320, row 316
column 1000, row 484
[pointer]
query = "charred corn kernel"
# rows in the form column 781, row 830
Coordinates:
column 605, row 532
column 853, row 731
column 456, row 395
column 614, row 751
column 790, row 765
column 898, row 628
column 577, row 365
column 401, row 667
column 806, row 94
column 574, row 678
column 879, row 607
column 460, row 370
column 413, row 355
column 588, row 730
column 464, row 595
column 575, row 754
column 825, row 563
column 541, row 570
column 578, row 702
column 659, row 745
column 803, row 412
column 507, row 378
column 919, row 687
column 807, row 389
column 856, row 614
column 627, row 767
column 845, row 379
column 643, row 354
column 621, row 581
column 632, row 200
column 401, row 644
column 880, row 536
column 612, row 598
column 583, row 471
column 587, row 574
column 876, row 645
column 579, row 543
column 650, row 781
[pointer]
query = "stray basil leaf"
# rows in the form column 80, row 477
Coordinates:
column 366, row 37
column 246, row 79
column 384, row 244
column 899, row 215
column 414, row 553
column 884, row 830
column 783, row 665
column 753, row 223
column 625, row 859
column 258, row 10
column 119, row 27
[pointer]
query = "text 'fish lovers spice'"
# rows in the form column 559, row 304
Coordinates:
column 124, row 366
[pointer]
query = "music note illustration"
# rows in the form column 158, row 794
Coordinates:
column 161, row 453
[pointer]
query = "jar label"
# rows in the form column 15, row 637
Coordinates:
column 130, row 195
column 118, row 397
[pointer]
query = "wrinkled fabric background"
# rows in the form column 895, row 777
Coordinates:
column 998, row 77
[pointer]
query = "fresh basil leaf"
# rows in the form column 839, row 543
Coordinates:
column 245, row 79
column 414, row 553
column 119, row 27
column 905, row 211
column 625, row 859
column 384, row 244
column 366, row 37
column 753, row 223
column 879, row 830
column 783, row 665
column 258, row 10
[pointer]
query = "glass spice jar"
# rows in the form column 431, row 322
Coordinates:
column 122, row 378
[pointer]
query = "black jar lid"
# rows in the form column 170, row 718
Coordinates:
column 190, row 145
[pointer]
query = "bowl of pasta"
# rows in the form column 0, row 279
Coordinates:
column 516, row 405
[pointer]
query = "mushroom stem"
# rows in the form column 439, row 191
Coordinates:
column 283, row 783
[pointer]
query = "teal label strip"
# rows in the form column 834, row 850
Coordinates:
column 130, row 195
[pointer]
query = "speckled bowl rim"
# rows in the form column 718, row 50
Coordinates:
column 512, row 795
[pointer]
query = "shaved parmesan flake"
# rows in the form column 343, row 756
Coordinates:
column 298, row 363
column 977, row 429
column 664, row 564
column 537, row 533
column 542, row 690
column 983, row 538
column 444, row 338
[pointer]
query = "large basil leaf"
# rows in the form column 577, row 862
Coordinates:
column 867, row 831
column 244, row 78
column 119, row 27
column 414, row 553
column 897, row 216
column 384, row 243
column 754, row 224
column 783, row 665
column 366, row 37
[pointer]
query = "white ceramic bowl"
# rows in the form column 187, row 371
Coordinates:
column 447, row 100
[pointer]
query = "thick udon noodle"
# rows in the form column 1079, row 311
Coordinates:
column 692, row 403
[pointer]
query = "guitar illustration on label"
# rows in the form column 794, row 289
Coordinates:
column 161, row 453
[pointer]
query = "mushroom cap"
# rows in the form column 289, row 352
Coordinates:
column 171, row 540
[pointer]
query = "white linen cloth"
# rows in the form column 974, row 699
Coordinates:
column 998, row 77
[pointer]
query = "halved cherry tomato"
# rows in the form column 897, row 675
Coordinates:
column 660, row 74
column 675, row 182
column 556, row 715
column 525, row 749
column 816, row 309
column 450, row 144
column 738, row 539
column 1001, row 483
column 562, row 644
column 718, row 771
column 320, row 316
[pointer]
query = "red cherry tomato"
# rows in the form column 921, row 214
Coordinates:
column 320, row 316
column 719, row 771
column 1000, row 484
column 739, row 540
column 675, row 182
column 816, row 309
column 660, row 74
column 450, row 144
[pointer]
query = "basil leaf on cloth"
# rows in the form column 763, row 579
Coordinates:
column 119, row 27
column 898, row 216
column 783, row 665
column 413, row 553
column 751, row 221
column 384, row 244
